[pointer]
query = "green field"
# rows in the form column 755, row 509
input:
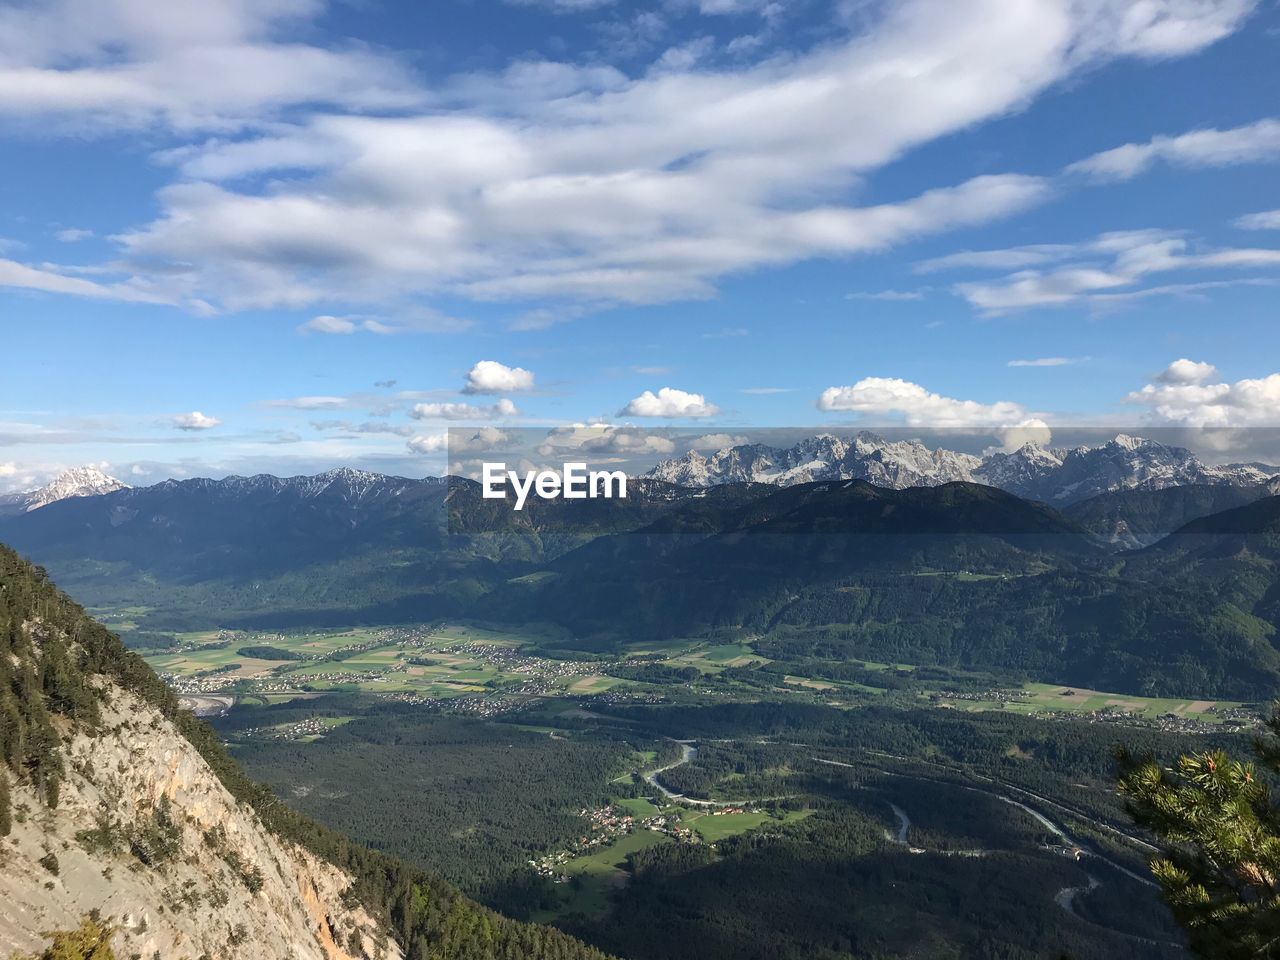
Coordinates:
column 593, row 877
column 1053, row 698
column 638, row 807
column 713, row 659
column 713, row 827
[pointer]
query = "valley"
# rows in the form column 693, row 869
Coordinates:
column 560, row 786
column 824, row 719
column 486, row 671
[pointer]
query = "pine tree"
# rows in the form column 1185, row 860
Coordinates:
column 1219, row 867
column 6, row 813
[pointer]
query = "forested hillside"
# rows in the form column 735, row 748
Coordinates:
column 959, row 575
column 59, row 673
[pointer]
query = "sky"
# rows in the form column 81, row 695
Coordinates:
column 242, row 236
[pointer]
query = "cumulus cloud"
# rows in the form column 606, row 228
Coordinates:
column 195, row 420
column 1200, row 148
column 670, row 403
column 1185, row 396
column 890, row 396
column 480, row 440
column 1184, row 371
column 490, row 376
column 73, row 234
column 463, row 411
column 607, row 439
column 428, row 443
column 1032, row 430
column 1263, row 220
column 8, row 469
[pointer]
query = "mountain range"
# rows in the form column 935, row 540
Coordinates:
column 1154, row 590
column 1055, row 475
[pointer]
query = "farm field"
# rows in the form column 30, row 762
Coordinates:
column 437, row 662
column 593, row 877
column 1037, row 698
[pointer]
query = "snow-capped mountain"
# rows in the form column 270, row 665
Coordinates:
column 897, row 464
column 1033, row 471
column 76, row 482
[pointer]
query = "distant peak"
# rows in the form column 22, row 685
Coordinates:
column 1131, row 443
column 86, row 481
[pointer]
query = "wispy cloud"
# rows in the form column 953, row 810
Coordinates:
column 1200, row 148
column 1105, row 269
column 1263, row 220
column 1048, row 362
column 557, row 181
column 891, row 295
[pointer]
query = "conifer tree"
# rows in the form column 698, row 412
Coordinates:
column 1219, row 867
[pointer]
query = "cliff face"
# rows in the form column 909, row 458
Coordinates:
column 146, row 835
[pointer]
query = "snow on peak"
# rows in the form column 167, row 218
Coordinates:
column 76, row 482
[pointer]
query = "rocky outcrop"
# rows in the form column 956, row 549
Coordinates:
column 148, row 837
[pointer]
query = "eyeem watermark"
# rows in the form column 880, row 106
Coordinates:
column 573, row 482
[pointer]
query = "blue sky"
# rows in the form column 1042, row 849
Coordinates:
column 285, row 235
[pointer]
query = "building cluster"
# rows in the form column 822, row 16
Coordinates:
column 608, row 824
column 311, row 727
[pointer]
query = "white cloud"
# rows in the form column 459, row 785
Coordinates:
column 428, row 443
column 54, row 279
column 890, row 295
column 481, row 440
column 553, row 180
column 1200, row 148
column 1106, row 269
column 368, row 426
column 310, row 403
column 106, row 64
column 195, row 420
column 73, row 234
column 1182, row 372
column 1263, row 220
column 329, row 324
column 603, row 438
column 890, row 396
column 1184, row 396
column 1012, row 258
column 669, row 402
column 563, row 6
column 8, row 469
column 490, row 376
column 716, row 441
column 463, row 411
column 1031, row 430
column 1046, row 362
column 419, row 320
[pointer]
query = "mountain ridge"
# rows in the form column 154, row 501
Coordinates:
column 1032, row 471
